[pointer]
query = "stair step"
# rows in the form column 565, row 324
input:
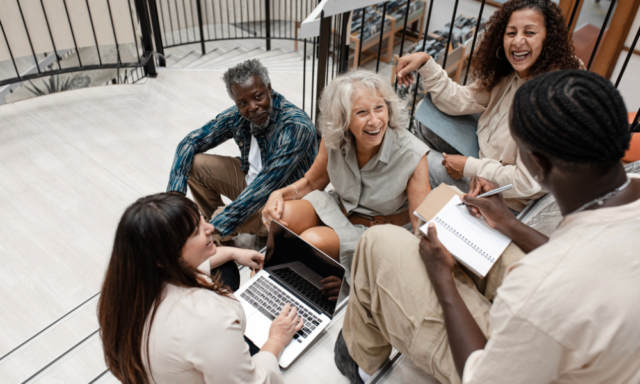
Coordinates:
column 286, row 63
column 46, row 347
column 170, row 59
column 186, row 60
column 82, row 365
column 289, row 56
column 231, row 53
column 182, row 50
column 233, row 60
column 216, row 52
column 258, row 53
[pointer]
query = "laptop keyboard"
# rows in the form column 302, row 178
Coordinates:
column 269, row 299
column 307, row 289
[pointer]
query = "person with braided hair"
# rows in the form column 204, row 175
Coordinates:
column 564, row 313
column 523, row 39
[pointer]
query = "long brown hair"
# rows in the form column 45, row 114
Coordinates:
column 146, row 256
column 557, row 53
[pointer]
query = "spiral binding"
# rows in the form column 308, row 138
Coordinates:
column 461, row 237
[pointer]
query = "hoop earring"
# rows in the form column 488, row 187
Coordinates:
column 499, row 56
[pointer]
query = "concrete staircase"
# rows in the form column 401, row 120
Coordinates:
column 225, row 54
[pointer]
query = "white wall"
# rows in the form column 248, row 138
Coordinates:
column 633, row 31
column 34, row 17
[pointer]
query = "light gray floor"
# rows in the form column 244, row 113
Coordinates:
column 71, row 163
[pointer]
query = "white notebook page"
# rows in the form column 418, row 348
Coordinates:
column 470, row 239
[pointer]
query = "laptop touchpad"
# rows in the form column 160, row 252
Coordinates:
column 258, row 332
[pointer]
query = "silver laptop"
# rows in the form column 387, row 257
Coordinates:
column 292, row 273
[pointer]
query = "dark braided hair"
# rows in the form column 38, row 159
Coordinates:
column 574, row 116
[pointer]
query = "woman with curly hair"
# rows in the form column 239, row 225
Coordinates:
column 378, row 169
column 523, row 39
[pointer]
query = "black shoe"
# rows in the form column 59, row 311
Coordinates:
column 345, row 363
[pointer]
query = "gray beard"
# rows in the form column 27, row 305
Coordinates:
column 266, row 122
column 269, row 116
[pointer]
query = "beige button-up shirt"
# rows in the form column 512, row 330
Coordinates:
column 499, row 155
column 380, row 187
column 197, row 337
column 569, row 312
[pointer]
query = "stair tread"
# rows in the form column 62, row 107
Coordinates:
column 231, row 53
column 204, row 58
column 181, row 61
column 232, row 60
column 260, row 56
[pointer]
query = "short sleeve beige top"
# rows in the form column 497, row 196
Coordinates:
column 569, row 312
column 380, row 187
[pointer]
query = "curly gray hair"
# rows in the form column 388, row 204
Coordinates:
column 241, row 72
column 337, row 101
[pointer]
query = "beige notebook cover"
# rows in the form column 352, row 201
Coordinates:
column 437, row 199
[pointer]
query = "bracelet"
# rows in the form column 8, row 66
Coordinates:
column 295, row 189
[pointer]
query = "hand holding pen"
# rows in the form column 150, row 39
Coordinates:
column 483, row 201
column 492, row 192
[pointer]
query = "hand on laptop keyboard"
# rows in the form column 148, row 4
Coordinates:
column 286, row 325
column 270, row 300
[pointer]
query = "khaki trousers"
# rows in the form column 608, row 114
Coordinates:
column 212, row 176
column 392, row 303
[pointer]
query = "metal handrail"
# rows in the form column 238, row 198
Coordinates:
column 143, row 59
column 253, row 9
column 328, row 9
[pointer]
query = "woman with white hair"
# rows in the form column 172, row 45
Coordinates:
column 378, row 169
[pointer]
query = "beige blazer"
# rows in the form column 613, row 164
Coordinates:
column 197, row 337
column 499, row 159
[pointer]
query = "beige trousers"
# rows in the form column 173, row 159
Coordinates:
column 392, row 303
column 212, row 176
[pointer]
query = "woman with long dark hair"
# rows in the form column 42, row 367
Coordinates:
column 164, row 319
column 523, row 39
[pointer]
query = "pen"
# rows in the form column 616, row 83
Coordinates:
column 492, row 192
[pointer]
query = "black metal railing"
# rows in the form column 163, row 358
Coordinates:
column 182, row 22
column 328, row 39
column 49, row 64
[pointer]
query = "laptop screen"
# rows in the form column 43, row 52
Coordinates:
column 304, row 270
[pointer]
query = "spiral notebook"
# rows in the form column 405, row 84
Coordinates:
column 469, row 239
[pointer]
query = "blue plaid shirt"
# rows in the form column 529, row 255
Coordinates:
column 288, row 147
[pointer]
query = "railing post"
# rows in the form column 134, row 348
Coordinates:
column 323, row 55
column 147, row 44
column 344, row 46
column 199, row 10
column 155, row 24
column 267, row 12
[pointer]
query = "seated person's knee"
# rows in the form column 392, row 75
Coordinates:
column 323, row 238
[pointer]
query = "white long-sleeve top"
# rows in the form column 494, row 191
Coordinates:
column 197, row 337
column 499, row 159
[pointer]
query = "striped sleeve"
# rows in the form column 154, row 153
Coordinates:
column 215, row 132
column 294, row 143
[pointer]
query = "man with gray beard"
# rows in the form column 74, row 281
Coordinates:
column 278, row 143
